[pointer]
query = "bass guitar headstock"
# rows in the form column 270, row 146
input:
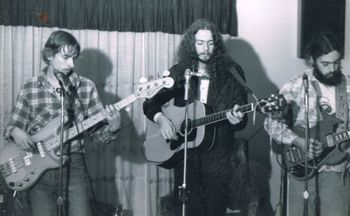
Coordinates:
column 149, row 89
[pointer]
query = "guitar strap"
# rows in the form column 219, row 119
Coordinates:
column 342, row 106
column 239, row 78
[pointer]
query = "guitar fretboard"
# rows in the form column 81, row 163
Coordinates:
column 88, row 123
column 219, row 116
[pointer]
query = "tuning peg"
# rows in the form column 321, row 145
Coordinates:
column 166, row 73
column 143, row 80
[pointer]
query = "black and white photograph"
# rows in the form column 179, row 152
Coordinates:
column 174, row 108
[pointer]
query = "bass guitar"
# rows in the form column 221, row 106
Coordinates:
column 21, row 169
column 334, row 152
column 201, row 131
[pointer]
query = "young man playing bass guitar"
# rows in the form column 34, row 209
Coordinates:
column 39, row 103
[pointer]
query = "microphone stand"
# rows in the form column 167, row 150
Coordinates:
column 60, row 201
column 182, row 189
column 307, row 142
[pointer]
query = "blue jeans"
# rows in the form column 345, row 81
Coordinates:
column 333, row 191
column 74, row 191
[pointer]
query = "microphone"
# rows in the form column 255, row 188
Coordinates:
column 306, row 86
column 188, row 74
column 187, row 82
column 60, row 77
column 306, row 82
column 196, row 74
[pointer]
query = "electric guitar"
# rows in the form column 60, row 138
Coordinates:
column 22, row 169
column 334, row 152
column 201, row 132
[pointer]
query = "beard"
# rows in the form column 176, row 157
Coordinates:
column 330, row 79
column 204, row 60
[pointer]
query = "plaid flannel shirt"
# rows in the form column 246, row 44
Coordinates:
column 37, row 104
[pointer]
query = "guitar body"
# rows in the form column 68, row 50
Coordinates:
column 201, row 133
column 169, row 154
column 22, row 169
column 331, row 154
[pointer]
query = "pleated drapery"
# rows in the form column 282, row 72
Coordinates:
column 122, row 41
column 170, row 16
column 115, row 61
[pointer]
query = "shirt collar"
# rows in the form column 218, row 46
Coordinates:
column 73, row 78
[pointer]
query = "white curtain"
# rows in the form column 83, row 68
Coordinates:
column 115, row 61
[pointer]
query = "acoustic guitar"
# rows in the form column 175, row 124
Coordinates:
column 201, row 130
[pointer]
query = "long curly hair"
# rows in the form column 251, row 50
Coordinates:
column 187, row 55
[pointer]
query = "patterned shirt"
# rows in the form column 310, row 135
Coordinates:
column 38, row 104
column 293, row 91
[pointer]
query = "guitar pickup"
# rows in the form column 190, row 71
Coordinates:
column 330, row 141
column 27, row 159
column 12, row 165
column 41, row 149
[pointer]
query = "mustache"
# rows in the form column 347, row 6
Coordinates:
column 331, row 74
column 331, row 78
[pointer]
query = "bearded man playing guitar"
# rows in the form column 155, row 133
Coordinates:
column 38, row 103
column 209, row 172
column 327, row 91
